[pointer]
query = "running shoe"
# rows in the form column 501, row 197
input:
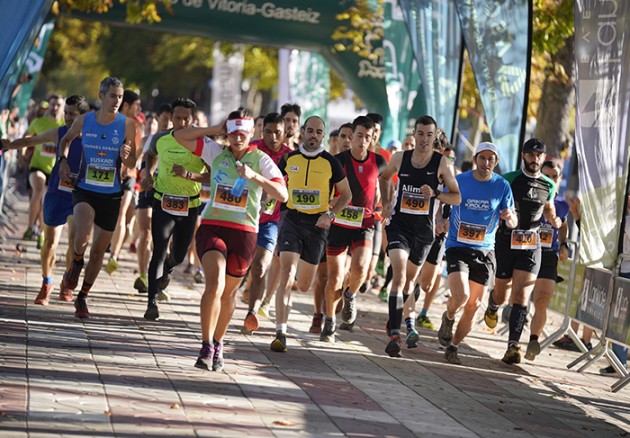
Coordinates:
column 424, row 322
column 81, row 309
column 141, row 285
column 71, row 278
column 279, row 345
column 347, row 326
column 163, row 296
column 383, row 295
column 133, row 249
column 412, row 338
column 206, row 357
column 198, row 277
column 388, row 330
column 217, row 357
column 40, row 241
column 112, row 266
column 364, row 287
column 533, row 350
column 152, row 312
column 264, row 310
column 451, row 355
column 43, row 297
column 393, row 347
column 65, row 294
column 445, row 333
column 328, row 333
column 28, row 234
column 316, row 325
column 512, row 355
column 349, row 310
column 165, row 279
column 250, row 325
column 491, row 318
column 608, row 371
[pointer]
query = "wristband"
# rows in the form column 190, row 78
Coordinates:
column 437, row 193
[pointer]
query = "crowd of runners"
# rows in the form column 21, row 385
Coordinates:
column 264, row 205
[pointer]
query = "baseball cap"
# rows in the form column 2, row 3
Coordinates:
column 395, row 144
column 487, row 146
column 534, row 145
column 240, row 125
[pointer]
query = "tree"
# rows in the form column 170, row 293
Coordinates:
column 138, row 11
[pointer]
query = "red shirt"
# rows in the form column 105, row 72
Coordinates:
column 276, row 156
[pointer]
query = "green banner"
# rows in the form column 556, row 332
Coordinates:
column 33, row 66
column 561, row 293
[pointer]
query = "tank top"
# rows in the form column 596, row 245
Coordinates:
column 55, row 185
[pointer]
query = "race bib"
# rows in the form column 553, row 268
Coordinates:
column 175, row 205
column 205, row 193
column 305, row 199
column 67, row 187
column 524, row 239
column 48, row 150
column 350, row 216
column 100, row 176
column 546, row 236
column 471, row 233
column 224, row 199
column 269, row 207
column 414, row 203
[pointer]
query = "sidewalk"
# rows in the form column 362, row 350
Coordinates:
column 117, row 374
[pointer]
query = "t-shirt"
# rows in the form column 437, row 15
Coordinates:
column 474, row 222
column 271, row 210
column 549, row 235
column 44, row 155
column 223, row 209
column 530, row 196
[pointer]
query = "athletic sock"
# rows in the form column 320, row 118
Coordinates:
column 47, row 280
column 423, row 312
column 409, row 322
column 492, row 305
column 395, row 304
column 82, row 296
column 533, row 338
column 205, row 343
column 517, row 321
column 282, row 328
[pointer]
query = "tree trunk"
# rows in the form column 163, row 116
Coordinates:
column 556, row 102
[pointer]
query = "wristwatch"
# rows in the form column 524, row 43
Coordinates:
column 437, row 193
column 331, row 215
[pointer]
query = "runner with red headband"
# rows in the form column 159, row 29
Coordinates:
column 226, row 239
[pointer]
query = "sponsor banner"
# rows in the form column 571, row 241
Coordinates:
column 227, row 75
column 33, row 66
column 619, row 319
column 558, row 301
column 602, row 56
column 437, row 45
column 497, row 37
column 309, row 77
column 594, row 297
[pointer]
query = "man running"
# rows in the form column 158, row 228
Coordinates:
column 271, row 144
column 58, row 199
column 291, row 113
column 108, row 140
column 353, row 228
column 410, row 230
column 312, row 177
column 176, row 201
column 486, row 199
column 518, row 251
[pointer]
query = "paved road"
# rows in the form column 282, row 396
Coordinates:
column 119, row 375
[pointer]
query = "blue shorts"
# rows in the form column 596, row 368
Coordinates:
column 267, row 236
column 57, row 208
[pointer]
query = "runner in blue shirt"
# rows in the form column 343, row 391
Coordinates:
column 486, row 198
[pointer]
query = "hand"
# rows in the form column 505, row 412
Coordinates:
column 427, row 191
column 324, row 221
column 507, row 214
column 64, row 172
column 146, row 182
column 555, row 221
column 563, row 254
column 179, row 171
column 245, row 172
column 441, row 226
column 386, row 213
column 5, row 144
column 574, row 207
column 125, row 150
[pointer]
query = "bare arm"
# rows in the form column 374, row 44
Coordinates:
column 50, row 136
column 447, row 172
column 563, row 234
column 187, row 137
column 128, row 150
column 181, row 172
column 342, row 201
column 73, row 132
column 549, row 212
column 385, row 182
column 275, row 189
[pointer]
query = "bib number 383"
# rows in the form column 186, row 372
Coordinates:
column 175, row 205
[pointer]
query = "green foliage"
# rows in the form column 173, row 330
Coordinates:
column 361, row 23
column 138, row 11
column 553, row 23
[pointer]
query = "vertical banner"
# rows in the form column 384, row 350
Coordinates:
column 227, row 75
column 401, row 72
column 602, row 53
column 33, row 66
column 437, row 45
column 309, row 77
column 498, row 40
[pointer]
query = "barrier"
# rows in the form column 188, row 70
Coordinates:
column 618, row 328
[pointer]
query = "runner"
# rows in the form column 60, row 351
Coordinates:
column 312, row 175
column 144, row 206
column 291, row 113
column 175, row 202
column 353, row 228
column 271, row 144
column 410, row 215
column 108, row 140
column 554, row 247
column 129, row 108
column 345, row 135
column 58, row 199
column 227, row 236
column 518, row 251
column 41, row 164
column 486, row 199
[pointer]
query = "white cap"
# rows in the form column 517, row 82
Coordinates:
column 487, row 146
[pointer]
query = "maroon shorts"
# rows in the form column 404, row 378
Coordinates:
column 237, row 246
